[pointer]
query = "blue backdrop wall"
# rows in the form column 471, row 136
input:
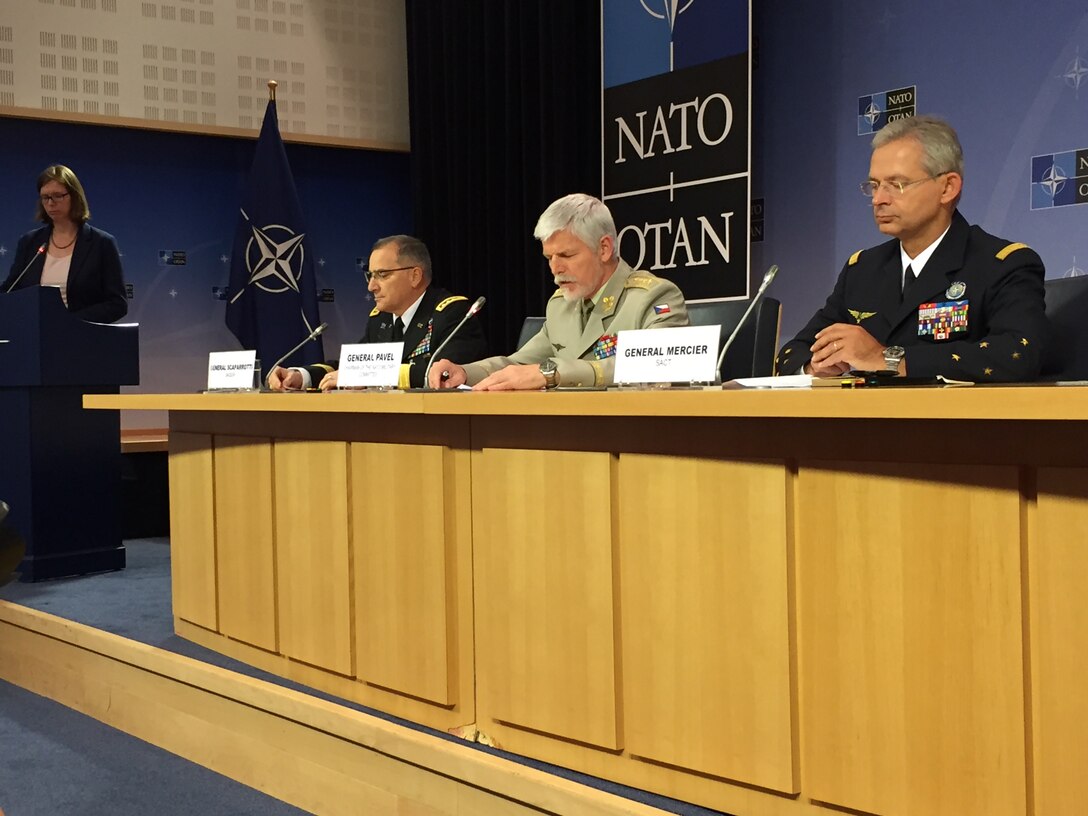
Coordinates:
column 1012, row 78
column 158, row 191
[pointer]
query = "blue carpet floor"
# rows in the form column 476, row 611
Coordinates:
column 135, row 603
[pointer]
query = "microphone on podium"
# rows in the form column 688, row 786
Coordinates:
column 767, row 278
column 315, row 333
column 19, row 277
column 473, row 309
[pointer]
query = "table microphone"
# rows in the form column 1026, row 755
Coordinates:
column 305, row 340
column 15, row 283
column 473, row 309
column 743, row 319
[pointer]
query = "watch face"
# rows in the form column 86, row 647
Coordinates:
column 548, row 367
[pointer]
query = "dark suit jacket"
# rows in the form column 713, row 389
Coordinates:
column 438, row 314
column 96, row 286
column 1006, row 323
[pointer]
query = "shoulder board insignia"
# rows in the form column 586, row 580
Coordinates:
column 556, row 293
column 639, row 282
column 1009, row 250
column 375, row 311
column 448, row 301
column 854, row 258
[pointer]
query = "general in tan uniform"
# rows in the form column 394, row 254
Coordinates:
column 584, row 347
column 597, row 296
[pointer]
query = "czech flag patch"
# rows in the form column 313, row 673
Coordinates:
column 662, row 308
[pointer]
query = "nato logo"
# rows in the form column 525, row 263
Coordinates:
column 876, row 110
column 645, row 38
column 1076, row 73
column 1059, row 179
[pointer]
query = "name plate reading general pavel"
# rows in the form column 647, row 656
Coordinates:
column 231, row 370
column 369, row 364
column 679, row 355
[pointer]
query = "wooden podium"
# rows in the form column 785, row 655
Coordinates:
column 61, row 464
column 769, row 603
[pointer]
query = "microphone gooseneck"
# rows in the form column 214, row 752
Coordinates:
column 767, row 278
column 315, row 333
column 30, row 263
column 473, row 309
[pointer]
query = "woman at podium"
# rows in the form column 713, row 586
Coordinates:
column 82, row 261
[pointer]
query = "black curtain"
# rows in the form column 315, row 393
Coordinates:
column 504, row 97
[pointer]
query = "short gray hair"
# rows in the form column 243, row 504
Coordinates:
column 941, row 148
column 410, row 251
column 587, row 217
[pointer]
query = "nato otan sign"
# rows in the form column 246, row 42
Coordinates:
column 676, row 148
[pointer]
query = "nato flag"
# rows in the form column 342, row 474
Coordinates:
column 272, row 297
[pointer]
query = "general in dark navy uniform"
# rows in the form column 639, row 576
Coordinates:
column 407, row 308
column 941, row 298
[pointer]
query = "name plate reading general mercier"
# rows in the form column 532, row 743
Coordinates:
column 681, row 355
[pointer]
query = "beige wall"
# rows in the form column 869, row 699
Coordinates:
column 341, row 65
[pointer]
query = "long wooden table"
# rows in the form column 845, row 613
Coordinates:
column 760, row 601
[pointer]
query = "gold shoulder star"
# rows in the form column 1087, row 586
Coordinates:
column 984, row 344
column 987, row 371
column 1023, row 341
column 956, row 357
column 1016, row 355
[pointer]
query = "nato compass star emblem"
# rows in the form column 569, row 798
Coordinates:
column 274, row 256
column 1076, row 73
column 672, row 10
column 1074, row 271
column 872, row 113
column 1053, row 180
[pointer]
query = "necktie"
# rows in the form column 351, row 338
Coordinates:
column 398, row 330
column 908, row 280
column 587, row 307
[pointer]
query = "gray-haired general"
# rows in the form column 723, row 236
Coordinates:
column 597, row 295
column 943, row 297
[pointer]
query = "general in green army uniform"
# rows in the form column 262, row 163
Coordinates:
column 597, row 296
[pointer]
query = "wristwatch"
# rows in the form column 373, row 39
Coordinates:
column 893, row 355
column 550, row 370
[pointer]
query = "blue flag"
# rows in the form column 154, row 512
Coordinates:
column 271, row 299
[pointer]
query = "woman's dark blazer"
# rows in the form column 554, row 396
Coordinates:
column 96, row 285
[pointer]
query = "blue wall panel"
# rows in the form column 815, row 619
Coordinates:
column 999, row 72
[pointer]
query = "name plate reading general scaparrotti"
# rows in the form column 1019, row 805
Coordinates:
column 231, row 370
column 679, row 355
column 369, row 365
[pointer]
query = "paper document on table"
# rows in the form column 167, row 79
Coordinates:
column 789, row 381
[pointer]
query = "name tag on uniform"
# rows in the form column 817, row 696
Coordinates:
column 369, row 364
column 942, row 320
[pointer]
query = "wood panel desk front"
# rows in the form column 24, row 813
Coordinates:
column 758, row 601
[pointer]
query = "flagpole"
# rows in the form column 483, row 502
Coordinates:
column 272, row 90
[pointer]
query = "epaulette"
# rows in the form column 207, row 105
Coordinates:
column 638, row 281
column 448, row 301
column 854, row 258
column 375, row 311
column 1009, row 250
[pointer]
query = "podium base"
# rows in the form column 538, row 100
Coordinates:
column 70, row 564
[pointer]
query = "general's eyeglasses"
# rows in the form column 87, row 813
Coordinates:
column 894, row 188
column 382, row 274
column 49, row 199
